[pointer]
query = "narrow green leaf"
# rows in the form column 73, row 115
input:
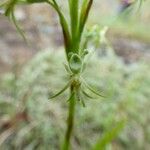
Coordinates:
column 61, row 91
column 20, row 31
column 92, row 90
column 109, row 136
column 9, row 12
column 86, row 6
column 64, row 25
column 86, row 94
column 73, row 5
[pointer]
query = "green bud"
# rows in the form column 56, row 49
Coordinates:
column 75, row 63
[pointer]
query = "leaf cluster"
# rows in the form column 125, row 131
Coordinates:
column 80, row 86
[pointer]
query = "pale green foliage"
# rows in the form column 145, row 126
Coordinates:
column 127, row 88
column 36, row 84
column 106, row 139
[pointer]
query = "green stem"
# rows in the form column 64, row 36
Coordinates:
column 74, row 44
column 74, row 18
column 70, row 120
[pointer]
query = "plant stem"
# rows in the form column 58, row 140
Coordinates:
column 74, row 44
column 70, row 120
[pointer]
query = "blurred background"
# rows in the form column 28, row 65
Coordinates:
column 119, row 66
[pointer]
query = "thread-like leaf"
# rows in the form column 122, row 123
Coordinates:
column 87, row 95
column 20, row 31
column 92, row 90
column 61, row 91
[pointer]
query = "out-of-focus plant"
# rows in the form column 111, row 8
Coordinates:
column 126, row 84
column 108, row 136
column 76, row 55
column 72, row 34
column 130, row 7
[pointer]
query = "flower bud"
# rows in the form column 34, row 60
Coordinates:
column 75, row 63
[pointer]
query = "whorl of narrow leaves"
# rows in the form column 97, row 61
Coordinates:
column 82, row 89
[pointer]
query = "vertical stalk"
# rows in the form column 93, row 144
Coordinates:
column 71, row 112
column 76, row 27
column 70, row 120
column 74, row 18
